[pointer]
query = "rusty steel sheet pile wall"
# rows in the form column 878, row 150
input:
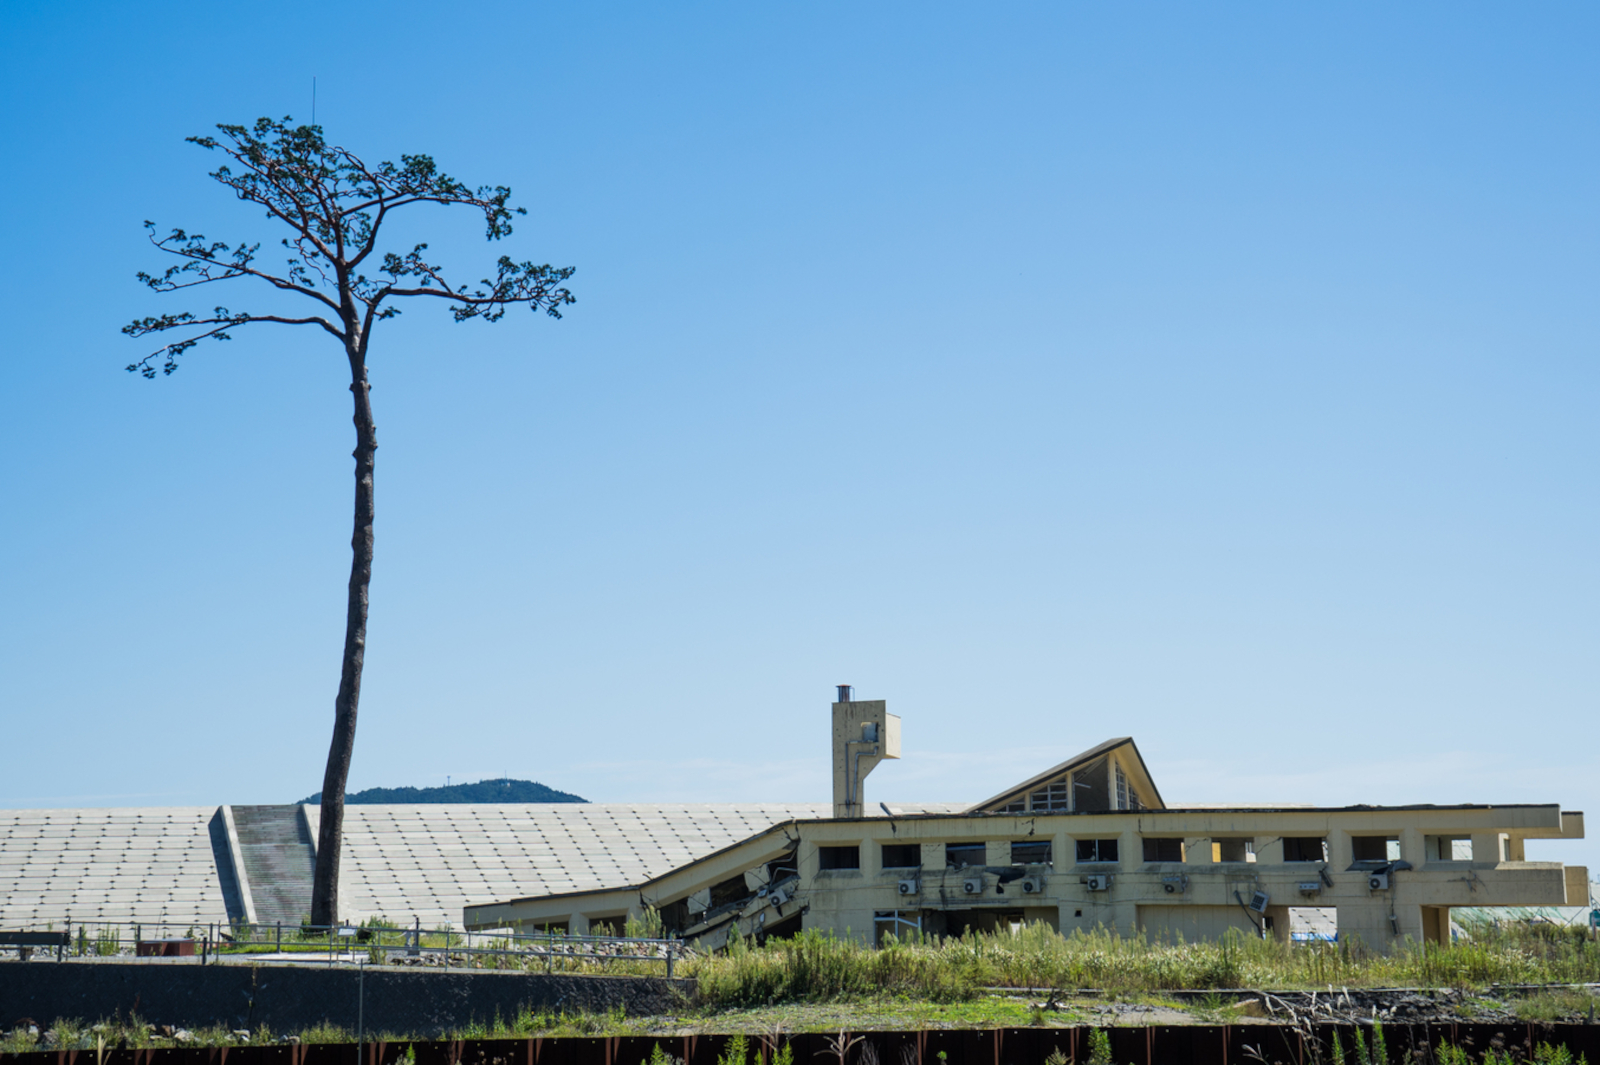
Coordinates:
column 1197, row 1044
column 288, row 998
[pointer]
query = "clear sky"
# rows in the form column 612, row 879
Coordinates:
column 1223, row 375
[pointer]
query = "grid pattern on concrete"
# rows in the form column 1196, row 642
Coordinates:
column 111, row 864
column 431, row 861
column 419, row 861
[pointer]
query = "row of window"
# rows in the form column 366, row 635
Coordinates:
column 1099, row 785
column 1156, row 849
column 1040, row 852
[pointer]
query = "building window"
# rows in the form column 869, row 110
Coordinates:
column 1305, row 849
column 1017, row 807
column 1122, row 789
column 1448, row 848
column 1163, row 850
column 839, row 857
column 1097, row 850
column 961, row 855
column 1054, row 797
column 902, row 855
column 1377, row 849
column 1238, row 849
column 896, row 923
column 1031, row 852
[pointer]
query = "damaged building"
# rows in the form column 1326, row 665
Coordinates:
column 1087, row 843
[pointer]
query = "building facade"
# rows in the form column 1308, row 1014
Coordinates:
column 1087, row 843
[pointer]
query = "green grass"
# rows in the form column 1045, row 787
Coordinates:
column 814, row 967
column 1556, row 1004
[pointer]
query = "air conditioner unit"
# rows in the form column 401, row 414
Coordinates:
column 1310, row 887
column 908, row 887
column 1258, row 901
column 1032, row 885
column 779, row 896
column 1378, row 882
column 1098, row 882
column 1174, row 885
column 972, row 885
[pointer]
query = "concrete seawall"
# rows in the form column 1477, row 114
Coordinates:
column 287, row 998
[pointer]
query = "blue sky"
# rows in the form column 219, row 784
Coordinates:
column 1224, row 376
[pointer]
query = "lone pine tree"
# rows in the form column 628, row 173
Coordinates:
column 335, row 278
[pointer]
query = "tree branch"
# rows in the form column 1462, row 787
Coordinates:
column 221, row 323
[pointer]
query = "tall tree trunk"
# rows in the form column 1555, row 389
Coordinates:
column 325, row 882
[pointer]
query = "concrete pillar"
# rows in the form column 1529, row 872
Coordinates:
column 1366, row 920
column 871, row 858
column 577, row 925
column 1411, row 847
column 1339, row 854
column 1063, row 852
column 1280, row 922
column 1130, row 851
column 1270, row 851
column 1436, row 925
column 1488, row 848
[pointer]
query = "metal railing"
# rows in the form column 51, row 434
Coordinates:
column 212, row 943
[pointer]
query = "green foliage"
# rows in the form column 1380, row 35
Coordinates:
column 661, row 1057
column 1543, row 1054
column 333, row 206
column 1555, row 1005
column 108, row 940
column 647, row 926
column 737, row 1052
column 1099, row 1047
column 326, row 1032
column 815, row 967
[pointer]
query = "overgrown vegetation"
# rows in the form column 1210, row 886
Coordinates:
column 815, row 967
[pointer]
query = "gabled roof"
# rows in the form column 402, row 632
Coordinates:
column 1018, row 791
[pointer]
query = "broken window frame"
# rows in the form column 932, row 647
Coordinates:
column 1042, row 852
column 1092, row 788
column 1104, row 851
column 1454, row 842
column 966, row 850
column 1297, row 845
column 1244, row 847
column 1364, row 854
column 896, row 923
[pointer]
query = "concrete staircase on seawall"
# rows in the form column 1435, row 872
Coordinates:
column 276, row 848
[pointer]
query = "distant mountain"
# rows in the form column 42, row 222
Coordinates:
column 483, row 791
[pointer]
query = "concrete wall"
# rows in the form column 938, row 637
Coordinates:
column 290, row 998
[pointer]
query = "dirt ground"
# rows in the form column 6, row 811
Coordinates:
column 1574, row 1004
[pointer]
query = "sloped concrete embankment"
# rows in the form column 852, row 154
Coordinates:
column 288, row 998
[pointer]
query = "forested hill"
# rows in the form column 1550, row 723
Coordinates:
column 483, row 791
